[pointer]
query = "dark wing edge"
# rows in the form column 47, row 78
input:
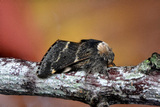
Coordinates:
column 44, row 73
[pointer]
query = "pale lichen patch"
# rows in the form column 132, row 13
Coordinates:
column 103, row 82
column 96, row 74
column 133, row 75
column 134, row 96
column 80, row 73
column 131, row 88
column 109, row 84
column 117, row 78
column 121, row 70
column 1, row 62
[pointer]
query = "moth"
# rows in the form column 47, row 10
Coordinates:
column 63, row 56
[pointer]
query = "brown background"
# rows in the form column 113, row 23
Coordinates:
column 29, row 27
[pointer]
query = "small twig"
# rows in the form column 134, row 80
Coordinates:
column 123, row 85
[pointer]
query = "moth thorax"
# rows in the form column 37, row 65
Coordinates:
column 103, row 48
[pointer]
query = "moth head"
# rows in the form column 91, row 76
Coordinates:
column 106, row 52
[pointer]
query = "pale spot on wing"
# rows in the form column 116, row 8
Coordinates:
column 66, row 46
column 53, row 71
column 67, row 69
column 76, row 59
column 59, row 56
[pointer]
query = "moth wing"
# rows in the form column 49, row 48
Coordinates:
column 68, row 57
column 51, row 56
column 74, row 58
column 69, row 66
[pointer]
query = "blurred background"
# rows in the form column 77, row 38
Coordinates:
column 29, row 27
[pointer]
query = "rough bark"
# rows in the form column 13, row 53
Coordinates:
column 123, row 85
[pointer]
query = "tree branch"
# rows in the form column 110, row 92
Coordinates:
column 123, row 85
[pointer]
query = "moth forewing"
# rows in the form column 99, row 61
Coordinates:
column 60, row 54
column 51, row 56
